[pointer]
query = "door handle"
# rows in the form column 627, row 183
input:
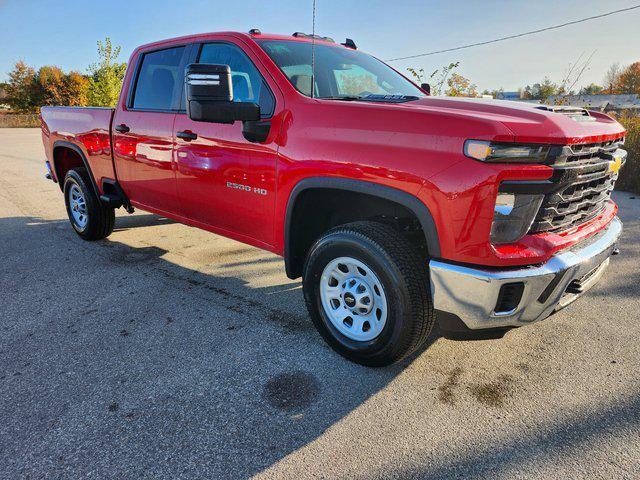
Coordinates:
column 122, row 128
column 187, row 135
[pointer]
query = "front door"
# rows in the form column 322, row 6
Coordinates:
column 143, row 131
column 224, row 181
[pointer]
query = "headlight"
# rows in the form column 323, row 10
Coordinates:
column 513, row 215
column 505, row 152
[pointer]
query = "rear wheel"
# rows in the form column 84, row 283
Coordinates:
column 366, row 289
column 90, row 219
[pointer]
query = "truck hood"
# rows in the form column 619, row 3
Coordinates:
column 528, row 122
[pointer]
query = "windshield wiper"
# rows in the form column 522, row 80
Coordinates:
column 346, row 98
column 373, row 97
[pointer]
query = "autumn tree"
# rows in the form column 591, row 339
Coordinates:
column 629, row 79
column 21, row 91
column 54, row 87
column 460, row 86
column 106, row 76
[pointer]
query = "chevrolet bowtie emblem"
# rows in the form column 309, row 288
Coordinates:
column 615, row 164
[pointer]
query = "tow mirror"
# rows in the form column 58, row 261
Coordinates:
column 426, row 88
column 209, row 93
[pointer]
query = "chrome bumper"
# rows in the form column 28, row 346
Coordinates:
column 472, row 294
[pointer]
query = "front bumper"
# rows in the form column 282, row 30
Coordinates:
column 472, row 295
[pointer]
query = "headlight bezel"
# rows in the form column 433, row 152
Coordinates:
column 504, row 152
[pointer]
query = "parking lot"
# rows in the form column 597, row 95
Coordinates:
column 169, row 352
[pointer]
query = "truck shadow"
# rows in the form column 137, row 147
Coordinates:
column 118, row 361
column 171, row 370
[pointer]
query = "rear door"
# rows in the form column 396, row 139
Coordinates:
column 143, row 130
column 225, row 182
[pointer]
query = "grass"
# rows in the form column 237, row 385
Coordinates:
column 629, row 179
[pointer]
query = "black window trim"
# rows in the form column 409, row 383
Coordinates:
column 198, row 49
column 186, row 54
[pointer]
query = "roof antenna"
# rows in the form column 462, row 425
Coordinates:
column 313, row 49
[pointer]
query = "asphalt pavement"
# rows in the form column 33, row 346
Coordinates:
column 169, row 352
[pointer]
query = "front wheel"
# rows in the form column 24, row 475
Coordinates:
column 366, row 289
column 90, row 219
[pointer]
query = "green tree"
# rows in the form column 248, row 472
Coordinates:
column 546, row 89
column 437, row 80
column 106, row 76
column 21, row 89
column 540, row 91
column 494, row 93
column 591, row 89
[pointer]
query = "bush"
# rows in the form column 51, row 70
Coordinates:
column 19, row 121
column 630, row 174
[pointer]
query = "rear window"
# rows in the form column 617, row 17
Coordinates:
column 159, row 80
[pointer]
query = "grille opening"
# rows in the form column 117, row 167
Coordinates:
column 509, row 297
column 584, row 186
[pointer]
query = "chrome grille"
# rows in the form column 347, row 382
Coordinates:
column 582, row 186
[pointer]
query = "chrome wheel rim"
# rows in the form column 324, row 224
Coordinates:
column 78, row 207
column 353, row 299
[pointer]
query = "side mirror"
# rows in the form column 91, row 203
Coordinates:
column 209, row 93
column 426, row 88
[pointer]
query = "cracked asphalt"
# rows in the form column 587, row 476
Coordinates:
column 168, row 352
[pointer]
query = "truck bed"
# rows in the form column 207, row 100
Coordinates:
column 87, row 129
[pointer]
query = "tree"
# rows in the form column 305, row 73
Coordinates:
column 460, row 86
column 76, row 89
column 629, row 79
column 54, row 87
column 546, row 89
column 612, row 78
column 50, row 86
column 495, row 93
column 21, row 90
column 437, row 80
column 106, row 76
column 591, row 89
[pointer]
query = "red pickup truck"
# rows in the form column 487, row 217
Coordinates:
column 396, row 208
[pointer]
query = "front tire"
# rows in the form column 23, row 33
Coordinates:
column 366, row 289
column 90, row 219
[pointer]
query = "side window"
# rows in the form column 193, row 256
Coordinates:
column 159, row 80
column 248, row 84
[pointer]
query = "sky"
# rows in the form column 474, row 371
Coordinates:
column 65, row 34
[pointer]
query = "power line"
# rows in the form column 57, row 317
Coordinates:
column 517, row 35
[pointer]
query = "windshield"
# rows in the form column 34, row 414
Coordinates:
column 340, row 73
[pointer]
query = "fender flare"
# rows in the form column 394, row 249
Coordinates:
column 78, row 150
column 407, row 200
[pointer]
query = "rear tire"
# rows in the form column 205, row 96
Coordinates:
column 367, row 292
column 90, row 219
